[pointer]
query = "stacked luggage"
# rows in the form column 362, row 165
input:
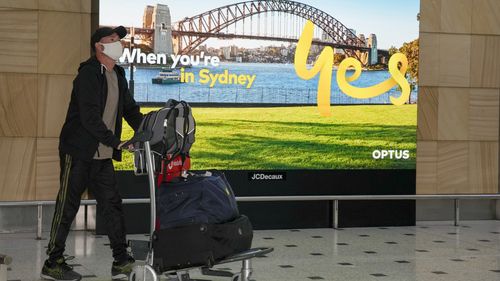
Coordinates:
column 197, row 219
column 199, row 223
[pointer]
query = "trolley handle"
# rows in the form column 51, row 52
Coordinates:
column 142, row 137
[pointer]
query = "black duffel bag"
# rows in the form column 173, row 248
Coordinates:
column 200, row 244
column 199, row 199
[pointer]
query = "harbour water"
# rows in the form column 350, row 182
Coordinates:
column 274, row 83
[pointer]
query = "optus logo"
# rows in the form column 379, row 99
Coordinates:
column 324, row 64
column 391, row 154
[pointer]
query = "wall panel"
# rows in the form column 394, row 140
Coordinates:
column 48, row 168
column 17, row 169
column 18, row 41
column 59, row 43
column 18, row 99
column 54, row 93
column 459, row 96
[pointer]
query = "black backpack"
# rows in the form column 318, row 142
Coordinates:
column 173, row 131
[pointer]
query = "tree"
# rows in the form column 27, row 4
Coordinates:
column 410, row 50
column 392, row 51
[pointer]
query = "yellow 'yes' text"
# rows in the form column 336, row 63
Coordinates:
column 323, row 66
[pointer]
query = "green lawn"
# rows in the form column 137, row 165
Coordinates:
column 298, row 138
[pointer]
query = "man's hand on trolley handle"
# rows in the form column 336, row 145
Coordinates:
column 129, row 148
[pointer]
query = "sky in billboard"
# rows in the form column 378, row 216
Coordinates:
column 394, row 21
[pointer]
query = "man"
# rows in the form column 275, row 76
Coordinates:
column 89, row 140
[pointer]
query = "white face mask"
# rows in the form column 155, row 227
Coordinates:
column 113, row 50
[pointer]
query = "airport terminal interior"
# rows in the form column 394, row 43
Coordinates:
column 340, row 181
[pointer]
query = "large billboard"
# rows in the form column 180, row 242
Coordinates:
column 280, row 85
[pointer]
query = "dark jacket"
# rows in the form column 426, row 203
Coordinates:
column 84, row 129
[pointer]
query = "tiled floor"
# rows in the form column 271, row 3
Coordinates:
column 429, row 251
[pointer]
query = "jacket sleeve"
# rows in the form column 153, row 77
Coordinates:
column 89, row 99
column 131, row 111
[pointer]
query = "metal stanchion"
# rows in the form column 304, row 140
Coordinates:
column 335, row 214
column 85, row 217
column 457, row 212
column 40, row 221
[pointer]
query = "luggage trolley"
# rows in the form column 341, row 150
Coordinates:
column 144, row 249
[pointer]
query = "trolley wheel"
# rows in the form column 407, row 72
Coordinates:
column 132, row 277
column 134, row 274
column 236, row 277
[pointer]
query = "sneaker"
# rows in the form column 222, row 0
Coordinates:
column 59, row 271
column 122, row 270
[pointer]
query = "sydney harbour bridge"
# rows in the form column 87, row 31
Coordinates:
column 273, row 20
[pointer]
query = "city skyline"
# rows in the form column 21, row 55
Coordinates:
column 392, row 28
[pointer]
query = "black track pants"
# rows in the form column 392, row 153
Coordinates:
column 99, row 177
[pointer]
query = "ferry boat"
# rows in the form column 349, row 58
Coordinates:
column 167, row 76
